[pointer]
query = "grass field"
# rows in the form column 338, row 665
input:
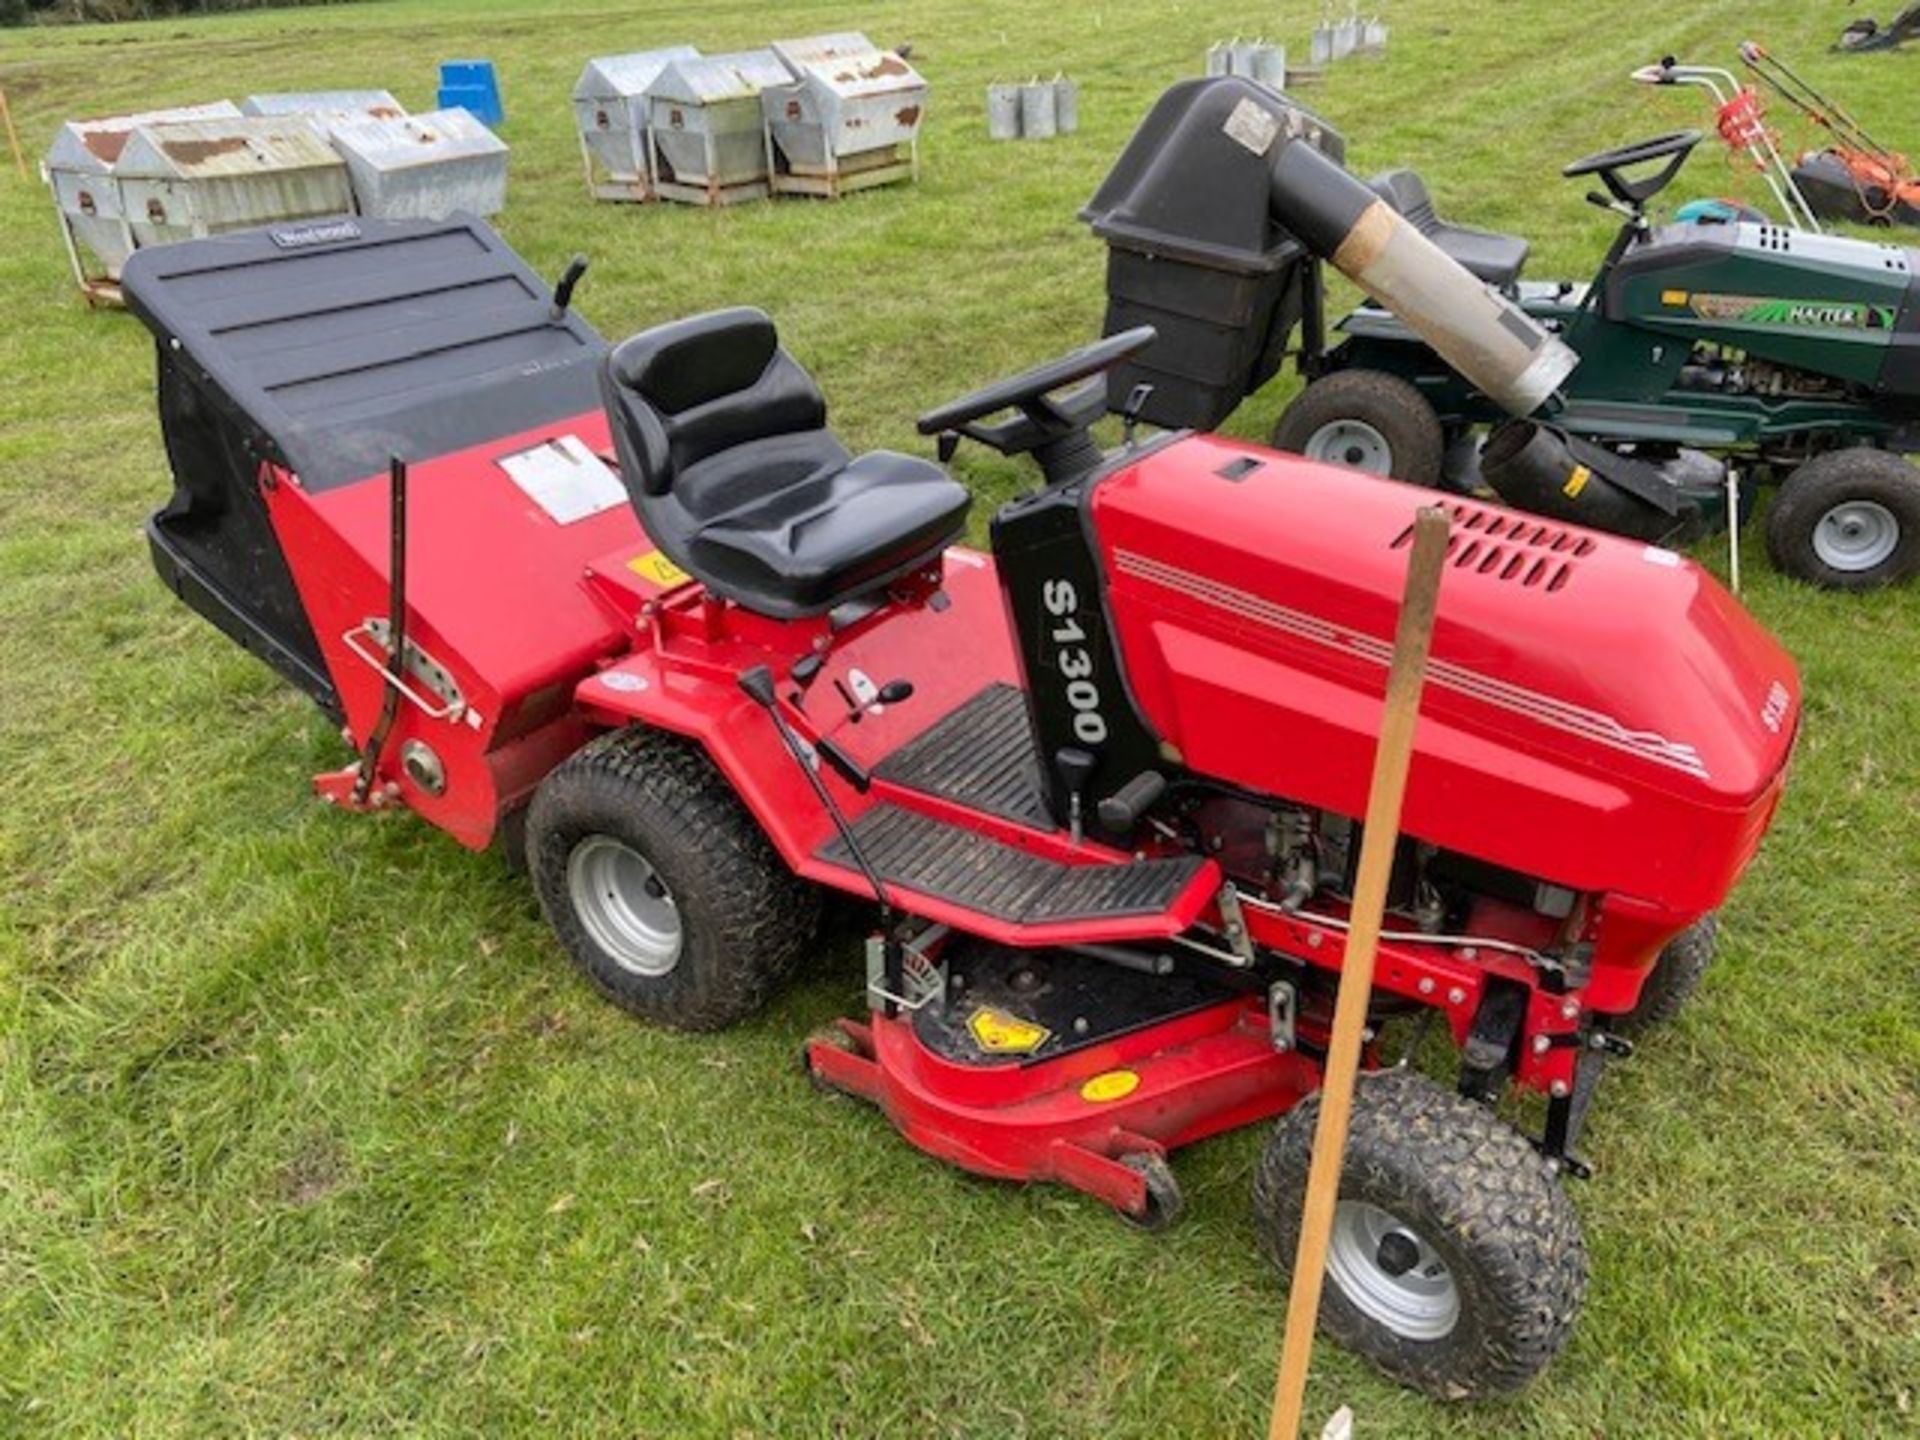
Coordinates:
column 305, row 1125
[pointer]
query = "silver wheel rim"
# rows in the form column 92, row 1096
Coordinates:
column 624, row 905
column 1352, row 443
column 1856, row 535
column 1369, row 1244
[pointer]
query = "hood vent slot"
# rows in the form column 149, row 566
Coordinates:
column 1505, row 545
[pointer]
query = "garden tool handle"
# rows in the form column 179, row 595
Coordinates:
column 1413, row 638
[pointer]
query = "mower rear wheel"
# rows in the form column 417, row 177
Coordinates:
column 1848, row 520
column 1456, row 1263
column 660, row 885
column 1366, row 420
column 1674, row 977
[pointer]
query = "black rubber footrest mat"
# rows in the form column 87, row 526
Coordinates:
column 935, row 858
column 980, row 756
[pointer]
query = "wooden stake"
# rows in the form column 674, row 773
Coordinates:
column 13, row 138
column 1411, row 642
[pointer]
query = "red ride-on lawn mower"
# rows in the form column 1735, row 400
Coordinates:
column 697, row 662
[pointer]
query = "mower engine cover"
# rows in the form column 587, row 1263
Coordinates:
column 1845, row 308
column 1599, row 713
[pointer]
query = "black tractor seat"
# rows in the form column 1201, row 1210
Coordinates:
column 724, row 448
column 1495, row 258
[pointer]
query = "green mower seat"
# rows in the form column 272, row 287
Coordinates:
column 1493, row 257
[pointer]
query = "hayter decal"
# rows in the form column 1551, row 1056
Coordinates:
column 1800, row 314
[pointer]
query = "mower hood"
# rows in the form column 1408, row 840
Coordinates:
column 1599, row 712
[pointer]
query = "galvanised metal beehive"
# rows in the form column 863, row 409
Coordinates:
column 79, row 169
column 200, row 177
column 850, row 118
column 610, row 111
column 705, row 135
column 423, row 167
column 333, row 104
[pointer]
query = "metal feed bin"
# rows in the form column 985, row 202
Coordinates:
column 330, row 103
column 706, row 139
column 423, row 167
column 80, row 171
column 200, row 177
column 850, row 119
column 610, row 111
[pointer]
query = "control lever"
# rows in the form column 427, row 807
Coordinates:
column 1075, row 767
column 862, row 698
column 1123, row 809
column 1607, row 202
column 1130, row 411
column 759, row 687
column 563, row 292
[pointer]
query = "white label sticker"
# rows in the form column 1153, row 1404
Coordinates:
column 1252, row 125
column 1654, row 555
column 565, row 479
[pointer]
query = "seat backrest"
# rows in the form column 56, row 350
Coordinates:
column 1406, row 192
column 680, row 392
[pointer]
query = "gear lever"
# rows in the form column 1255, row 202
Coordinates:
column 1075, row 767
column 1130, row 412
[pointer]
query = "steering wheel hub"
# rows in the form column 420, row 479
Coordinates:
column 1050, row 420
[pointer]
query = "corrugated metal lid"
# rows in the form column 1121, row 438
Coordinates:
column 741, row 75
column 378, row 103
column 415, row 139
column 848, row 64
column 96, row 144
column 205, row 149
column 616, row 77
column 823, row 47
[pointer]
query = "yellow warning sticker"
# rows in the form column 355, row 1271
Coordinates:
column 999, row 1033
column 1674, row 297
column 1576, row 482
column 656, row 567
column 1112, row 1085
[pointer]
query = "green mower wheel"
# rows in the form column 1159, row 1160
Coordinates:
column 1366, row 420
column 1848, row 520
column 660, row 885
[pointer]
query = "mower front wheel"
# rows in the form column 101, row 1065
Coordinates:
column 1456, row 1263
column 1676, row 974
column 1165, row 1201
column 1848, row 520
column 660, row 885
column 1366, row 420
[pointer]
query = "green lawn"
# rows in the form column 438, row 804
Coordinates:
column 305, row 1124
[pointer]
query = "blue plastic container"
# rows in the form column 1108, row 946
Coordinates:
column 472, row 86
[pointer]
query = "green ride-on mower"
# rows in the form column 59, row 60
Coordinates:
column 1710, row 356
